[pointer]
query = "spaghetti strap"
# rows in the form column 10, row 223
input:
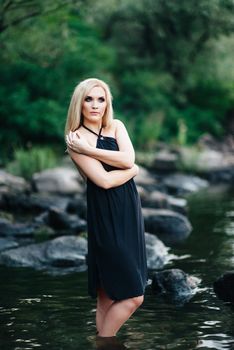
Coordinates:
column 93, row 131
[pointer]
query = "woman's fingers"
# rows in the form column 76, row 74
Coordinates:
column 78, row 134
column 68, row 141
column 71, row 137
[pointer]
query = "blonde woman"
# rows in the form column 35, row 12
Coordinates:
column 100, row 147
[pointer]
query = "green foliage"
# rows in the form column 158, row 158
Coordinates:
column 189, row 159
column 43, row 233
column 169, row 66
column 45, row 65
column 28, row 162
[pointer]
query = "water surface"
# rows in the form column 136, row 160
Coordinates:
column 39, row 311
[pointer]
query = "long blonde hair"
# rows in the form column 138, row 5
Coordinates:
column 74, row 115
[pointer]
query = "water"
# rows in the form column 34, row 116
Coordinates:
column 39, row 311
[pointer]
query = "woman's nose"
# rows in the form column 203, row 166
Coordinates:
column 94, row 105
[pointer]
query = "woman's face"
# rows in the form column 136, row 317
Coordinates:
column 94, row 104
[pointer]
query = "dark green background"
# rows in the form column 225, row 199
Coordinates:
column 168, row 63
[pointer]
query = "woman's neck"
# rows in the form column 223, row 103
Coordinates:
column 93, row 126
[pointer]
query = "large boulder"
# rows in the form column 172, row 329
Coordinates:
column 58, row 180
column 175, row 284
column 17, row 229
column 6, row 243
column 11, row 183
column 144, row 177
column 181, row 183
column 60, row 255
column 156, row 251
column 61, row 220
column 165, row 160
column 156, row 199
column 78, row 205
column 67, row 251
column 214, row 161
column 34, row 202
column 169, row 226
column 224, row 286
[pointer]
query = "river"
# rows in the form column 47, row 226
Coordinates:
column 40, row 311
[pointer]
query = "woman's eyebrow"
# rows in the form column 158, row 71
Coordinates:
column 94, row 96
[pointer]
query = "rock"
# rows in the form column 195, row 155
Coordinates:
column 165, row 161
column 156, row 251
column 144, row 177
column 156, row 199
column 42, row 219
column 34, row 202
column 180, row 183
column 175, row 284
column 32, row 255
column 9, row 182
column 143, row 193
column 59, row 180
column 78, row 206
column 216, row 165
column 169, row 226
column 224, row 287
column 16, row 229
column 6, row 243
column 66, row 252
column 60, row 220
column 177, row 204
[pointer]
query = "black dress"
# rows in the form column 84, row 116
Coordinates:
column 116, row 242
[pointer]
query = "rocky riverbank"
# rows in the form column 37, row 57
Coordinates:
column 43, row 221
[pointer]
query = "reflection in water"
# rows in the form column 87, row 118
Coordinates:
column 51, row 313
column 109, row 343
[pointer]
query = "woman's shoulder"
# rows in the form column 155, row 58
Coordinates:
column 118, row 124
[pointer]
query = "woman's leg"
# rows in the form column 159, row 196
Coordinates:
column 117, row 314
column 103, row 304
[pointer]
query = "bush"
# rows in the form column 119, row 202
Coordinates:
column 28, row 162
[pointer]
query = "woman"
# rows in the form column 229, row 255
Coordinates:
column 103, row 153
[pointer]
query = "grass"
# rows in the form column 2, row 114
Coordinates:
column 28, row 162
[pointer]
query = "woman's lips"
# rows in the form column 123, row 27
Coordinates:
column 94, row 112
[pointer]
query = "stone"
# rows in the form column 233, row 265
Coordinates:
column 169, row 226
column 17, row 229
column 165, row 161
column 58, row 256
column 6, row 243
column 67, row 251
column 9, row 182
column 181, row 183
column 224, row 287
column 156, row 251
column 78, row 205
column 58, row 219
column 34, row 202
column 217, row 165
column 175, row 284
column 144, row 177
column 59, row 180
column 156, row 199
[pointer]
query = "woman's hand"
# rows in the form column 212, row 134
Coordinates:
column 77, row 142
column 136, row 169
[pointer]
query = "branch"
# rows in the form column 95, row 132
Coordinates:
column 35, row 13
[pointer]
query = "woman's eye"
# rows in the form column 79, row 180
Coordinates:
column 88, row 99
column 101, row 99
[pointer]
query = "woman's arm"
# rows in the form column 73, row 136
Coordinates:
column 94, row 170
column 124, row 158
